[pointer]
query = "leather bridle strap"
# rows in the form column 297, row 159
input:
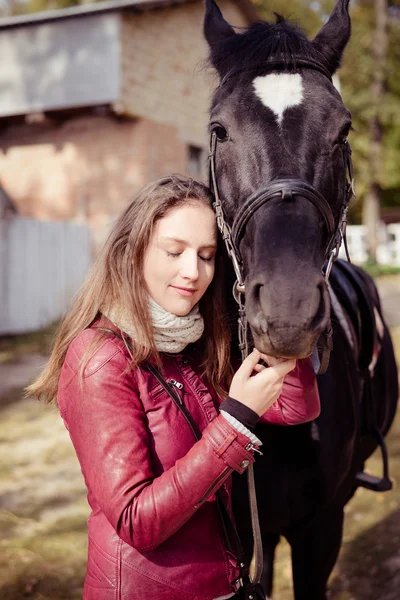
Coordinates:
column 284, row 189
column 256, row 565
column 295, row 62
column 289, row 65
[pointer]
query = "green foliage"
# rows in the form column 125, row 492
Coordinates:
column 298, row 11
column 356, row 74
column 18, row 7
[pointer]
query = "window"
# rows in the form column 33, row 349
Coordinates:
column 196, row 166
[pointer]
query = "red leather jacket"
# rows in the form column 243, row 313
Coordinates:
column 153, row 530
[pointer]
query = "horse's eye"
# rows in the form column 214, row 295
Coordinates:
column 220, row 131
column 344, row 134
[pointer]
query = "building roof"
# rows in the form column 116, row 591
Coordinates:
column 246, row 6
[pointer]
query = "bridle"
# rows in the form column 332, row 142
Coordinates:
column 286, row 190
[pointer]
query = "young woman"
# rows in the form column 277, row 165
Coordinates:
column 152, row 312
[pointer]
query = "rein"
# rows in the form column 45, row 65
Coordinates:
column 286, row 190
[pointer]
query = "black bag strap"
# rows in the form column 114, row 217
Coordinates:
column 232, row 538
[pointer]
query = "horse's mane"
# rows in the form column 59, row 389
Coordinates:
column 258, row 42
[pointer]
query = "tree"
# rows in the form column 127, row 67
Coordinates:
column 373, row 198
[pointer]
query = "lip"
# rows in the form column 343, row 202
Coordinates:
column 184, row 291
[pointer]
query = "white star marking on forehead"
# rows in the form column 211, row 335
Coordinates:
column 279, row 91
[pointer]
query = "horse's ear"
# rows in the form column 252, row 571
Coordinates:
column 334, row 35
column 216, row 29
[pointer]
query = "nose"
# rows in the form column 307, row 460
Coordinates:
column 190, row 266
column 278, row 305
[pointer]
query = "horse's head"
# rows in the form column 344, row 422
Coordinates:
column 277, row 117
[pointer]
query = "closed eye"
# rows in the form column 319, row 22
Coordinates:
column 176, row 254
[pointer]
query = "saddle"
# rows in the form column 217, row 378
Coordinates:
column 361, row 319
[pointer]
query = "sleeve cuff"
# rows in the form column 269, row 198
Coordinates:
column 241, row 412
column 241, row 428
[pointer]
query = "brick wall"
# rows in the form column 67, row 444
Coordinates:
column 87, row 167
column 163, row 52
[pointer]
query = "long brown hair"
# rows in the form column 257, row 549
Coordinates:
column 116, row 278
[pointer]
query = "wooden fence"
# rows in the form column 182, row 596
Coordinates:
column 42, row 264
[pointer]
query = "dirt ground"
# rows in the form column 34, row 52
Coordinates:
column 43, row 507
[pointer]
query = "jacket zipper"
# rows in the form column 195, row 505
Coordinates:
column 179, row 386
column 173, row 385
column 188, row 416
column 253, row 447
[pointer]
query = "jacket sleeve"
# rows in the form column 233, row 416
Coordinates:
column 299, row 401
column 107, row 425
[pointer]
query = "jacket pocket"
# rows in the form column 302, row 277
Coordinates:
column 157, row 390
column 101, row 570
column 140, row 586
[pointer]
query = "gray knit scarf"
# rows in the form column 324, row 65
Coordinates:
column 171, row 333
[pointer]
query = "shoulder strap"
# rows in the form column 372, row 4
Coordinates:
column 231, row 536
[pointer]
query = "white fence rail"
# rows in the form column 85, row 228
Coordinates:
column 388, row 251
column 42, row 264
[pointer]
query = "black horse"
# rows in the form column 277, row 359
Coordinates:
column 280, row 151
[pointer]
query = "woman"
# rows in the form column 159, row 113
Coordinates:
column 150, row 319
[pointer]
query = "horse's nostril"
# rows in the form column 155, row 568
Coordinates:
column 255, row 293
column 321, row 312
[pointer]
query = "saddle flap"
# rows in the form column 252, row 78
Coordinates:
column 351, row 289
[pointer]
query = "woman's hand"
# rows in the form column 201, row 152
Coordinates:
column 260, row 391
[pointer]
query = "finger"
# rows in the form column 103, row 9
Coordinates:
column 277, row 372
column 247, row 366
column 282, row 368
column 271, row 360
column 258, row 368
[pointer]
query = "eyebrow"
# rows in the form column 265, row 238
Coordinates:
column 172, row 239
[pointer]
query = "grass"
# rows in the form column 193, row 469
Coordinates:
column 43, row 510
column 377, row 270
column 14, row 347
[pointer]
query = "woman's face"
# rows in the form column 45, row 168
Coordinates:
column 179, row 262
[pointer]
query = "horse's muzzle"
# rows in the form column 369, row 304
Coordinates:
column 287, row 322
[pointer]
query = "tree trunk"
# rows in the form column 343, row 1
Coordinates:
column 372, row 202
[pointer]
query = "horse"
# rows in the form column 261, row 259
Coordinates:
column 279, row 157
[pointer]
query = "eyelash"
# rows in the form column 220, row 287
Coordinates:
column 176, row 254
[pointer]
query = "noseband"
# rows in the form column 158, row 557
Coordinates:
column 286, row 190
